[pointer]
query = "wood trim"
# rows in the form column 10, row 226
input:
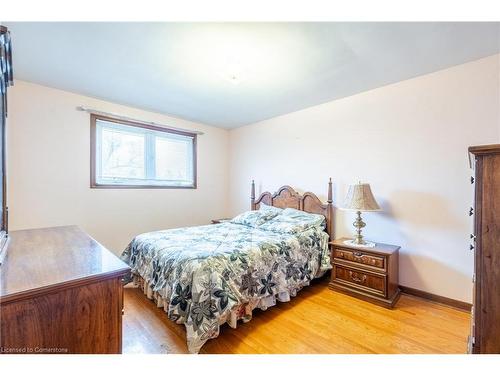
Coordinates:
column 93, row 182
column 436, row 298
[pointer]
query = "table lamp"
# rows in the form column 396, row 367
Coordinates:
column 360, row 198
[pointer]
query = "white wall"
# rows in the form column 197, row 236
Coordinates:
column 49, row 172
column 409, row 141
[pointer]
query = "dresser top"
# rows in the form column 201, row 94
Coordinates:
column 485, row 149
column 380, row 248
column 42, row 260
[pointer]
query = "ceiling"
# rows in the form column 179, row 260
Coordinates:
column 233, row 74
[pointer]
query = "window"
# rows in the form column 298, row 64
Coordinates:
column 127, row 154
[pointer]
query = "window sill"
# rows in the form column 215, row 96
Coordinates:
column 104, row 186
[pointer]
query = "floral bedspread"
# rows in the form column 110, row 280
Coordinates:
column 209, row 275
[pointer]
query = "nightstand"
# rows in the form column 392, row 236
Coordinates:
column 219, row 221
column 369, row 273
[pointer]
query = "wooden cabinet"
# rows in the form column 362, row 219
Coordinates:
column 60, row 292
column 485, row 327
column 367, row 273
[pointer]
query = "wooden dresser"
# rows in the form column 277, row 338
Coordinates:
column 60, row 292
column 367, row 273
column 485, row 327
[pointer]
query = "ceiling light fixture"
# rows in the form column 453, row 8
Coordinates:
column 253, row 55
column 233, row 70
column 234, row 79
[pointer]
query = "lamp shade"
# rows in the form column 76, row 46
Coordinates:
column 360, row 198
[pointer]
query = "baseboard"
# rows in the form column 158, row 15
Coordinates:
column 434, row 297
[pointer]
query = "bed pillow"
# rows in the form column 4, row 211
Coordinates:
column 254, row 218
column 294, row 223
column 311, row 219
column 265, row 207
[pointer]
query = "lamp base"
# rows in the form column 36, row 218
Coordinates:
column 353, row 243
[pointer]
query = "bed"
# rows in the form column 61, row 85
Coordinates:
column 206, row 276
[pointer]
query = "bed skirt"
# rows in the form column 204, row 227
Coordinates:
column 241, row 312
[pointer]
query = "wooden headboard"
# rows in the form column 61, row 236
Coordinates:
column 287, row 197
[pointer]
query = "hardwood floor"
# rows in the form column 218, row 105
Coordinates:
column 318, row 320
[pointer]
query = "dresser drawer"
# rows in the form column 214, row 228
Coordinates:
column 355, row 278
column 358, row 256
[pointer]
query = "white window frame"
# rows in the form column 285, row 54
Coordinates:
column 150, row 132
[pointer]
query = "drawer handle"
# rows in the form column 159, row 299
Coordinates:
column 360, row 256
column 356, row 278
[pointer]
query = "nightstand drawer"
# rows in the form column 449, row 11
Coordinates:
column 358, row 256
column 368, row 282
